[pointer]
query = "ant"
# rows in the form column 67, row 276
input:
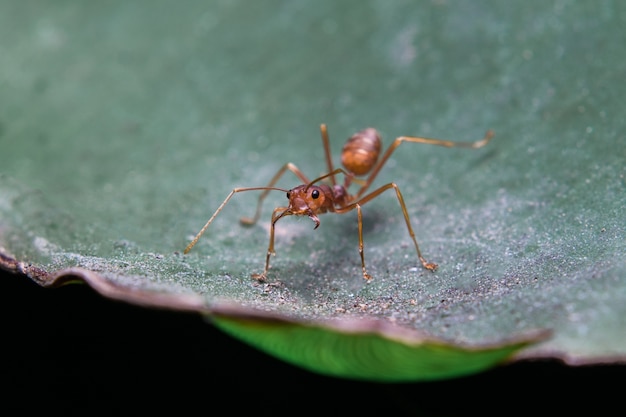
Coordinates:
column 359, row 157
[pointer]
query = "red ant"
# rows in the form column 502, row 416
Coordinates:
column 359, row 157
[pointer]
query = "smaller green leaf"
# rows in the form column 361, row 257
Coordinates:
column 364, row 349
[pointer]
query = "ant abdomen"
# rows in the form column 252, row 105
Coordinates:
column 360, row 153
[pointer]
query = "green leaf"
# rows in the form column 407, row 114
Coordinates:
column 365, row 349
column 123, row 126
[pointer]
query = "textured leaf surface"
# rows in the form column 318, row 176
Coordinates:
column 124, row 125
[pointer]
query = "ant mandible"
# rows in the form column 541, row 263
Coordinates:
column 359, row 157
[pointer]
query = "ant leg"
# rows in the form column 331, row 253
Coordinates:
column 288, row 166
column 438, row 142
column 360, row 219
column 428, row 265
column 329, row 159
column 221, row 206
column 262, row 277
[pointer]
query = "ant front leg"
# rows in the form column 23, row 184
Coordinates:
column 283, row 211
column 288, row 166
column 221, row 207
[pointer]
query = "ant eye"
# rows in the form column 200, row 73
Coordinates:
column 288, row 195
column 315, row 194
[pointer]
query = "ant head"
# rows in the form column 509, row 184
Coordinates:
column 309, row 200
column 306, row 199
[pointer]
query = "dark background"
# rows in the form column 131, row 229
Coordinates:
column 70, row 351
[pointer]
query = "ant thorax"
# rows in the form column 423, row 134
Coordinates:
column 340, row 194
